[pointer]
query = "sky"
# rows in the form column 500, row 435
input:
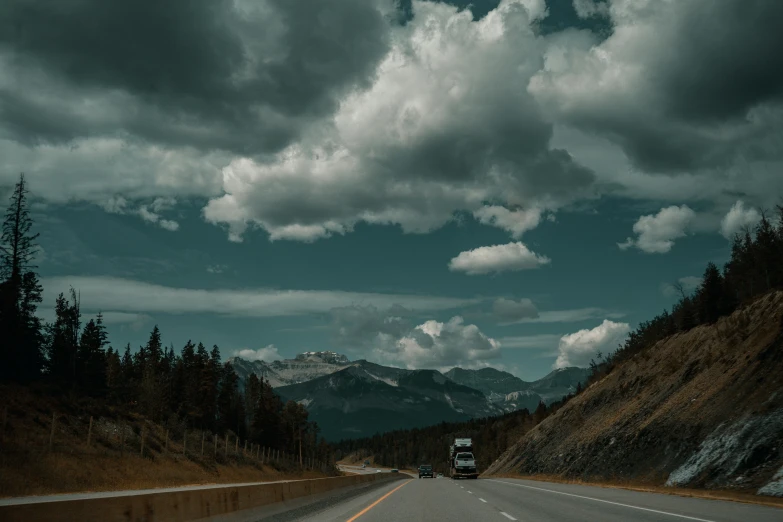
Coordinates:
column 514, row 183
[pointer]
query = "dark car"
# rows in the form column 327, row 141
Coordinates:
column 425, row 470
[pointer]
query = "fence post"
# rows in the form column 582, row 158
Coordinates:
column 185, row 442
column 244, row 451
column 215, row 436
column 226, row 452
column 122, row 438
column 51, row 433
column 167, row 441
column 5, row 420
column 143, row 429
column 236, row 446
column 202, row 443
column 89, row 432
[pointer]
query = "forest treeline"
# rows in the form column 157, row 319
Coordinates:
column 754, row 268
column 192, row 389
column 410, row 448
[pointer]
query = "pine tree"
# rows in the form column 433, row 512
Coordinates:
column 710, row 295
column 21, row 355
column 266, row 428
column 92, row 357
column 213, row 375
column 63, row 341
column 150, row 396
column 189, row 385
column 227, row 400
column 768, row 255
column 128, row 376
column 114, row 374
column 252, row 396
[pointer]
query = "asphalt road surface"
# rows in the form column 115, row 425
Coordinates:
column 360, row 470
column 502, row 500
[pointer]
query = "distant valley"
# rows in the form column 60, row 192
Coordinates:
column 351, row 399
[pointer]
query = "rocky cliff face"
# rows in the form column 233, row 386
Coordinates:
column 367, row 398
column 699, row 409
column 511, row 393
column 305, row 367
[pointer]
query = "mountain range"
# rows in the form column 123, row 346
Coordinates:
column 351, row 399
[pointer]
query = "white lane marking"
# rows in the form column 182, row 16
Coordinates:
column 507, row 515
column 604, row 501
column 470, row 492
column 481, row 499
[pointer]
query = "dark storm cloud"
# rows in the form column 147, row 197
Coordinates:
column 360, row 326
column 206, row 73
column 727, row 59
column 676, row 84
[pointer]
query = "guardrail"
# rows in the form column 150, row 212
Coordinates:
column 218, row 503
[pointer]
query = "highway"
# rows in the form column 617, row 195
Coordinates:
column 501, row 500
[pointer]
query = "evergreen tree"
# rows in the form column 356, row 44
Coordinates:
column 252, row 396
column 710, row 295
column 213, row 375
column 150, row 397
column 768, row 255
column 92, row 357
column 21, row 355
column 114, row 374
column 267, row 428
column 188, row 382
column 228, row 402
column 63, row 340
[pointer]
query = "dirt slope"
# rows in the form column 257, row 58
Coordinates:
column 29, row 465
column 699, row 409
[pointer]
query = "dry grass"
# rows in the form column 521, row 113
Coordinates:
column 63, row 473
column 733, row 496
column 112, row 460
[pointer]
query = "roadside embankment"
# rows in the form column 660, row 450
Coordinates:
column 51, row 443
column 700, row 409
column 228, row 503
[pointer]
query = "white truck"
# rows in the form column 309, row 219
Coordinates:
column 462, row 462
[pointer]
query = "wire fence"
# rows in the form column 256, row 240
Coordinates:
column 53, row 432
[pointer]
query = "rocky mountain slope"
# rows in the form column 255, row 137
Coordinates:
column 306, row 366
column 366, row 398
column 511, row 393
column 702, row 408
column 559, row 383
column 371, row 398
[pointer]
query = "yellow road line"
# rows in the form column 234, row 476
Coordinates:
column 368, row 508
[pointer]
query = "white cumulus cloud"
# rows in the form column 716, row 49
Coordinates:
column 656, row 233
column 578, row 348
column 267, row 353
column 407, row 150
column 516, row 222
column 497, row 258
column 737, row 218
column 434, row 344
